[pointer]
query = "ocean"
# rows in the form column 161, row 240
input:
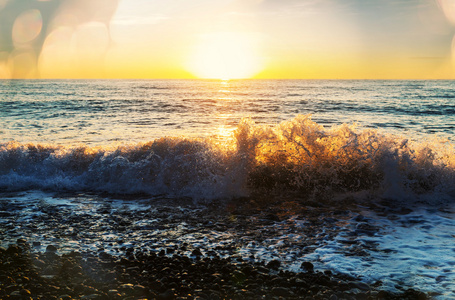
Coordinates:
column 76, row 146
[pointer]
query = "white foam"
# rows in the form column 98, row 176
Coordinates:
column 413, row 250
column 295, row 155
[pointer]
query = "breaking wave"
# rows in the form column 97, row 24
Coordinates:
column 295, row 156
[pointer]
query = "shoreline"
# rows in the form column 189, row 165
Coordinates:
column 137, row 274
column 276, row 239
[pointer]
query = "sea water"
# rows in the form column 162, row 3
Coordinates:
column 211, row 140
column 100, row 112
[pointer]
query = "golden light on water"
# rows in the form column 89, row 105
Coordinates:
column 225, row 56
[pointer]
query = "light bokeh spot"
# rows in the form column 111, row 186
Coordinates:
column 55, row 60
column 27, row 27
column 90, row 43
column 448, row 7
column 4, row 69
column 75, row 52
column 3, row 3
column 23, row 64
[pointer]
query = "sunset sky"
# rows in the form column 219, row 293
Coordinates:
column 227, row 39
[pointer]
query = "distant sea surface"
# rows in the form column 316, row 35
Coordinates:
column 100, row 112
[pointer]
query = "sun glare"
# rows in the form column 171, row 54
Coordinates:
column 225, row 56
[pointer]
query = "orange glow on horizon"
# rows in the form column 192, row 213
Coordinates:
column 217, row 40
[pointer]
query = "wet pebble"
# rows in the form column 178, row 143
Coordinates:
column 163, row 277
column 51, row 249
column 274, row 264
column 308, row 266
column 196, row 252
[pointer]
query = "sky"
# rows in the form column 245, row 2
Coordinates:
column 226, row 39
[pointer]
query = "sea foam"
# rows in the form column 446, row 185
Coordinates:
column 295, row 156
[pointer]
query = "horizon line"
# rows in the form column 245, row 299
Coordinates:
column 218, row 79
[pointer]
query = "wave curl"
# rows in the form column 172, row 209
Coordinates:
column 298, row 155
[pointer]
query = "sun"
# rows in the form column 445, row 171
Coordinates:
column 225, row 56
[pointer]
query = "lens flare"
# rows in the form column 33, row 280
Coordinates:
column 20, row 62
column 90, row 43
column 4, row 69
column 27, row 27
column 55, row 60
column 3, row 3
column 448, row 8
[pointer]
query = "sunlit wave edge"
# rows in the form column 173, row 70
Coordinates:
column 296, row 156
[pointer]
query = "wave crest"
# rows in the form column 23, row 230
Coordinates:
column 298, row 155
